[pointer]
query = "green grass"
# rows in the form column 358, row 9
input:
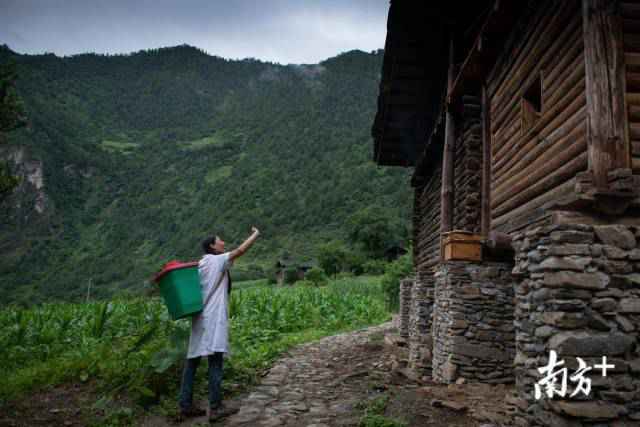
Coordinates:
column 119, row 146
column 218, row 173
column 132, row 345
column 250, row 284
column 374, row 410
column 207, row 141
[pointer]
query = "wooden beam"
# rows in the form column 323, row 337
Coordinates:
column 499, row 241
column 592, row 218
column 485, row 48
column 446, row 194
column 608, row 143
column 486, row 163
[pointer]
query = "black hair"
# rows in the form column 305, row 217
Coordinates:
column 206, row 245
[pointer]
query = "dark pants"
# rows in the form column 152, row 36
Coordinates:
column 215, row 381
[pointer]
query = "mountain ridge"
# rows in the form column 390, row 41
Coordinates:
column 140, row 157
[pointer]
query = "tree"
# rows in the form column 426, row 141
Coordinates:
column 332, row 257
column 373, row 230
column 11, row 118
column 394, row 272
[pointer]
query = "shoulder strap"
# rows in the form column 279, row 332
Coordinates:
column 215, row 287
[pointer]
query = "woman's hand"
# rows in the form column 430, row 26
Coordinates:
column 246, row 245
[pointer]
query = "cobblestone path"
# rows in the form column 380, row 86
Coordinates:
column 314, row 385
column 327, row 383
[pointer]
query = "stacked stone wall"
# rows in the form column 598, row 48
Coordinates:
column 473, row 330
column 420, row 343
column 406, row 286
column 578, row 293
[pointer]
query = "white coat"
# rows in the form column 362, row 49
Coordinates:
column 210, row 328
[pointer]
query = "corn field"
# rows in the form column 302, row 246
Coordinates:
column 133, row 346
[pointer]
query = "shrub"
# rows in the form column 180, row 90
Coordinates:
column 317, row 276
column 250, row 272
column 344, row 275
column 354, row 262
column 290, row 275
column 331, row 257
column 305, row 283
column 272, row 278
column 395, row 271
column 375, row 266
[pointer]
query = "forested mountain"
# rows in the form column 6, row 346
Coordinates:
column 129, row 161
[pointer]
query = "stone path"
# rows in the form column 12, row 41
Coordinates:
column 328, row 383
column 314, row 385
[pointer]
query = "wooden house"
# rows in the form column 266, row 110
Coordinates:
column 297, row 268
column 521, row 120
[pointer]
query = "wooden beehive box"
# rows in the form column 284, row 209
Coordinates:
column 461, row 246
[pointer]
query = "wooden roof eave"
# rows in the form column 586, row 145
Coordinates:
column 431, row 154
column 485, row 49
column 474, row 69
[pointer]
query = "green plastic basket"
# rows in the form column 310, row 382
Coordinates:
column 180, row 288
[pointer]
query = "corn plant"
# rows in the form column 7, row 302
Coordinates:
column 133, row 345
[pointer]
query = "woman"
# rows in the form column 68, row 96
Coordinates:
column 210, row 328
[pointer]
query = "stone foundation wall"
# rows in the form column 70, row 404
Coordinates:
column 406, row 286
column 578, row 293
column 473, row 330
column 420, row 344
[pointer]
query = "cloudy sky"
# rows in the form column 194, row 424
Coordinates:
column 284, row 31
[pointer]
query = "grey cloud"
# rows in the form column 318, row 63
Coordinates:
column 291, row 31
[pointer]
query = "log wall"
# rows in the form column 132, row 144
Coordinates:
column 630, row 11
column 535, row 156
column 468, row 173
column 426, row 223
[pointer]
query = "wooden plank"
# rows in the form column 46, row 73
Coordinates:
column 537, row 24
column 633, row 82
column 634, row 131
column 486, row 163
column 633, row 98
column 631, row 25
column 500, row 222
column 536, row 144
column 552, row 178
column 523, row 29
column 630, row 10
column 634, row 113
column 484, row 49
column 561, row 70
column 631, row 43
column 573, row 84
column 608, row 143
column 632, row 61
column 510, row 130
column 558, row 117
column 551, row 83
column 561, row 111
column 573, row 217
column 555, row 58
column 446, row 203
column 549, row 160
column 531, row 59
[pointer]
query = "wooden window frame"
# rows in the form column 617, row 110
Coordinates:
column 532, row 104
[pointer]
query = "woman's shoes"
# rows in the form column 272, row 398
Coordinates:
column 191, row 412
column 221, row 411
